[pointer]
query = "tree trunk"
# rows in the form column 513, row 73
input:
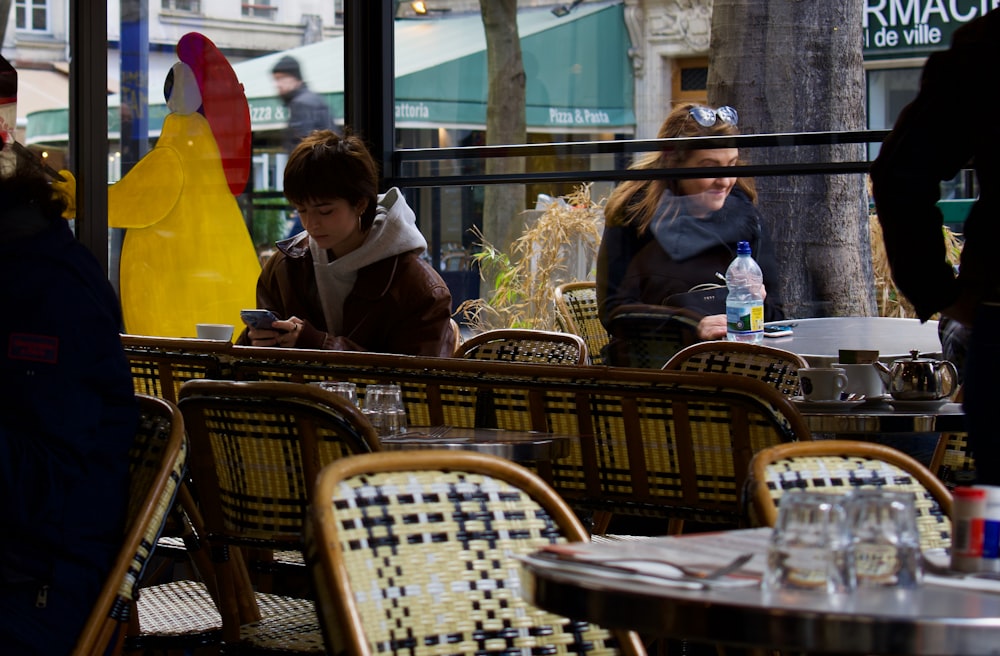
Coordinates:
column 503, row 205
column 4, row 17
column 797, row 67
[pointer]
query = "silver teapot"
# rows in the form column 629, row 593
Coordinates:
column 919, row 379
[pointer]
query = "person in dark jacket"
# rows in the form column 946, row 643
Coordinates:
column 354, row 279
column 69, row 417
column 935, row 136
column 306, row 110
column 665, row 236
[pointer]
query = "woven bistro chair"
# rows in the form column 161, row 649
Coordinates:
column 157, row 462
column 776, row 367
column 160, row 365
column 576, row 309
column 256, row 449
column 838, row 466
column 952, row 462
column 446, row 527
column 525, row 345
column 647, row 336
column 510, row 405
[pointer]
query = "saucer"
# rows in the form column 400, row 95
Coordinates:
column 919, row 405
column 830, row 405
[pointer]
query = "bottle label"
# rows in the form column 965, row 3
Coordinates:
column 745, row 318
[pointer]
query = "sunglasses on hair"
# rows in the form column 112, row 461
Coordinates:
column 707, row 117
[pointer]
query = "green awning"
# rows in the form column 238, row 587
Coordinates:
column 579, row 76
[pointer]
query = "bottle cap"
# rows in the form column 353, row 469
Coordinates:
column 970, row 493
column 743, row 248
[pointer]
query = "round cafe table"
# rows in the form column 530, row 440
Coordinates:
column 819, row 340
column 929, row 620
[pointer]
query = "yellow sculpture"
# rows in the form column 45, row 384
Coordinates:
column 187, row 257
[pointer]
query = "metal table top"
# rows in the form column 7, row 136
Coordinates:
column 519, row 446
column 880, row 417
column 926, row 620
column 819, row 340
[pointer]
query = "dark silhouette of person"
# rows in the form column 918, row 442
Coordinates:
column 936, row 136
column 307, row 111
column 69, row 417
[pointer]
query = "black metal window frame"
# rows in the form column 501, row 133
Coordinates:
column 369, row 109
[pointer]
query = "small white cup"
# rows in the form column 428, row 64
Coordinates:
column 222, row 332
column 863, row 380
column 822, row 383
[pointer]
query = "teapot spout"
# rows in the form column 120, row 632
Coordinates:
column 884, row 373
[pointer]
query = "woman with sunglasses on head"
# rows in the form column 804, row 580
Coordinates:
column 666, row 235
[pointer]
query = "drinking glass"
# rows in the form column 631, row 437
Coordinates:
column 886, row 543
column 384, row 408
column 810, row 546
column 341, row 388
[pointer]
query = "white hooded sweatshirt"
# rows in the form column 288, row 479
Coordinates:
column 393, row 232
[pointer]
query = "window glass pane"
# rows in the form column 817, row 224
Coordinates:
column 142, row 52
column 595, row 71
column 693, row 79
column 579, row 86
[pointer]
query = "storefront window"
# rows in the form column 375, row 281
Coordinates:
column 32, row 15
column 193, row 6
column 601, row 71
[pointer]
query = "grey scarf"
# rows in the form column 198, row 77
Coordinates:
column 684, row 236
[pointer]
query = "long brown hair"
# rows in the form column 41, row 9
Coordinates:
column 636, row 201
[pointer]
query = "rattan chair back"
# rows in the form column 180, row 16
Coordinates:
column 577, row 312
column 524, row 345
column 952, row 462
column 157, row 463
column 776, row 367
column 458, row 563
column 160, row 365
column 649, row 442
column 647, row 336
column 257, row 448
column 839, row 466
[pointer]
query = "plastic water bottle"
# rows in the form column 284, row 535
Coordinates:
column 745, row 303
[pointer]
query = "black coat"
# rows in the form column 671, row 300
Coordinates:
column 635, row 269
column 69, row 412
column 307, row 111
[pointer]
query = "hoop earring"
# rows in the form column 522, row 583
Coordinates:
column 359, row 223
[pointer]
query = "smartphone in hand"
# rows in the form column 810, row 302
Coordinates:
column 259, row 319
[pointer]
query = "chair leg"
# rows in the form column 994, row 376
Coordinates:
column 600, row 521
column 939, row 452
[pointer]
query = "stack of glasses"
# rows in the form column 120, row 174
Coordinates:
column 838, row 543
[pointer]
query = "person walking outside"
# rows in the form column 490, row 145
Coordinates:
column 307, row 111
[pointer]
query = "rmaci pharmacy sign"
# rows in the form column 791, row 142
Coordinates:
column 916, row 28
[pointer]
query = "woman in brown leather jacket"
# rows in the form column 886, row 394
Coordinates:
column 353, row 279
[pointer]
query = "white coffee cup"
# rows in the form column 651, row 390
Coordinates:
column 218, row 331
column 863, row 380
column 822, row 383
